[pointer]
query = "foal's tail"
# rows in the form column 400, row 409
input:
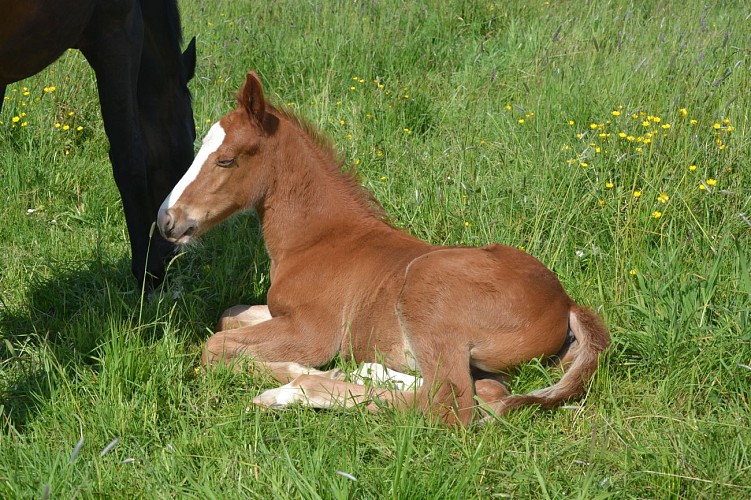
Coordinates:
column 591, row 339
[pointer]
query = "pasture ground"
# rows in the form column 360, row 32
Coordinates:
column 610, row 139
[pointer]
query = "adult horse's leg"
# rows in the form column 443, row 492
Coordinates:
column 113, row 48
column 2, row 97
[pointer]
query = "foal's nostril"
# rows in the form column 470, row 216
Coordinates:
column 166, row 223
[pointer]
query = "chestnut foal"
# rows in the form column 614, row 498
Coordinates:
column 344, row 281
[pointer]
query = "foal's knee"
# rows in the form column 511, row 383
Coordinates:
column 240, row 316
column 215, row 351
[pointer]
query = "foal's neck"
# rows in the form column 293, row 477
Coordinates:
column 309, row 198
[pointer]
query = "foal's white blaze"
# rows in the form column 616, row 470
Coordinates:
column 210, row 143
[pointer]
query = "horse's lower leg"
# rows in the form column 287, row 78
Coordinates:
column 113, row 49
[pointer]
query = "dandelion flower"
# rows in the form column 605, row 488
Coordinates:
column 656, row 214
column 637, row 194
column 66, row 127
column 609, row 185
column 467, row 223
column 692, row 168
column 571, row 122
column 663, row 198
column 683, row 112
column 711, row 182
column 632, row 272
column 615, row 113
column 520, row 121
column 693, row 122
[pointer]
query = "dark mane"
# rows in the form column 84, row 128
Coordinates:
column 162, row 40
column 348, row 173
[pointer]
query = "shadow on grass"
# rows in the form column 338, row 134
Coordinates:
column 45, row 333
column 72, row 309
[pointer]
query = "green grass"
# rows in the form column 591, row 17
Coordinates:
column 442, row 146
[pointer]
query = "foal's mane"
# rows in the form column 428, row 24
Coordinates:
column 335, row 164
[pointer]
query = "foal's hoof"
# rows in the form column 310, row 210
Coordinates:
column 281, row 397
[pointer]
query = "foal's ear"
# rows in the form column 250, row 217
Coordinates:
column 251, row 97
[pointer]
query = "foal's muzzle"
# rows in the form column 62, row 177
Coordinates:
column 174, row 229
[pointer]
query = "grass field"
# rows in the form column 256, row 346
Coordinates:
column 609, row 139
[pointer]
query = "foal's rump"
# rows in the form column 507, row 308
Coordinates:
column 497, row 303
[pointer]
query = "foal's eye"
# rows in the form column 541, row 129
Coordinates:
column 226, row 163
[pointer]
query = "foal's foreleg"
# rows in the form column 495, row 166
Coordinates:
column 253, row 334
column 323, row 391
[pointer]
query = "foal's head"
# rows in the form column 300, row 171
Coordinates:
column 230, row 172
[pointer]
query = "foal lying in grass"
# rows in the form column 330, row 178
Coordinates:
column 345, row 281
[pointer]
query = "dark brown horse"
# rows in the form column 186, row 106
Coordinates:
column 142, row 76
column 345, row 281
